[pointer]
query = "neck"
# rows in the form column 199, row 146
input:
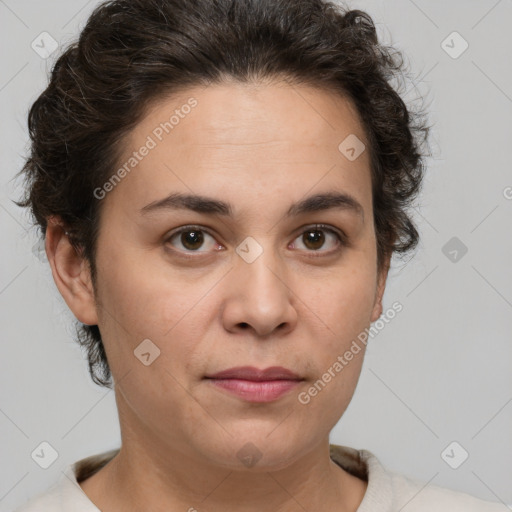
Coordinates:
column 145, row 475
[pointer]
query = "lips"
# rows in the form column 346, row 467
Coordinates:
column 253, row 385
column 254, row 374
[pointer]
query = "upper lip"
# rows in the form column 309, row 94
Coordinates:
column 251, row 373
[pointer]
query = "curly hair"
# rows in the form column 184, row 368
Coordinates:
column 131, row 52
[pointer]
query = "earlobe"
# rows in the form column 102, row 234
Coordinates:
column 71, row 273
column 381, row 286
column 377, row 310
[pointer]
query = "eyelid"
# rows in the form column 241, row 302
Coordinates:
column 324, row 227
column 189, row 227
column 342, row 238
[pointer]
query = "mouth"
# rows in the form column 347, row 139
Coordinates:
column 254, row 385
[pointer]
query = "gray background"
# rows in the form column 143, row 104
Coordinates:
column 438, row 373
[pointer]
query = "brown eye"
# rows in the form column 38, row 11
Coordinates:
column 315, row 238
column 192, row 239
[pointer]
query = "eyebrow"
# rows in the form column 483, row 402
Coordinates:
column 211, row 206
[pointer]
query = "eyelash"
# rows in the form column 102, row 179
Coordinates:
column 340, row 236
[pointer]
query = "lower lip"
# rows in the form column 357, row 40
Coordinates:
column 256, row 391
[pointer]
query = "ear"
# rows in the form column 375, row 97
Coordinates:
column 381, row 286
column 71, row 273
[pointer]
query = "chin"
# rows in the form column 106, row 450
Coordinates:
column 256, row 449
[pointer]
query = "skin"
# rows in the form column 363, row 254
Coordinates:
column 259, row 148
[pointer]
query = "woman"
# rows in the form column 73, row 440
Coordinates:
column 221, row 186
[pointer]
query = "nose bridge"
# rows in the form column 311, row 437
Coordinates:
column 257, row 266
column 261, row 297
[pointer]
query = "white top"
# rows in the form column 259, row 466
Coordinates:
column 386, row 491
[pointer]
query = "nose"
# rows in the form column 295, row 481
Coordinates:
column 259, row 298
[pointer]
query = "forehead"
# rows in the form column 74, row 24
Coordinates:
column 240, row 139
column 236, row 113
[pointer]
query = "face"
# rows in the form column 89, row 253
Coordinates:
column 252, row 269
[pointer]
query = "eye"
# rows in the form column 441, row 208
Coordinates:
column 191, row 239
column 314, row 238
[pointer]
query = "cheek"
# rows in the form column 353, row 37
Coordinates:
column 342, row 300
column 337, row 346
column 142, row 294
column 324, row 401
column 340, row 308
column 137, row 304
column 150, row 315
column 153, row 395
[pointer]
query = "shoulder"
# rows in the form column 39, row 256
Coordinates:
column 412, row 495
column 44, row 502
column 417, row 496
column 388, row 491
column 66, row 495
